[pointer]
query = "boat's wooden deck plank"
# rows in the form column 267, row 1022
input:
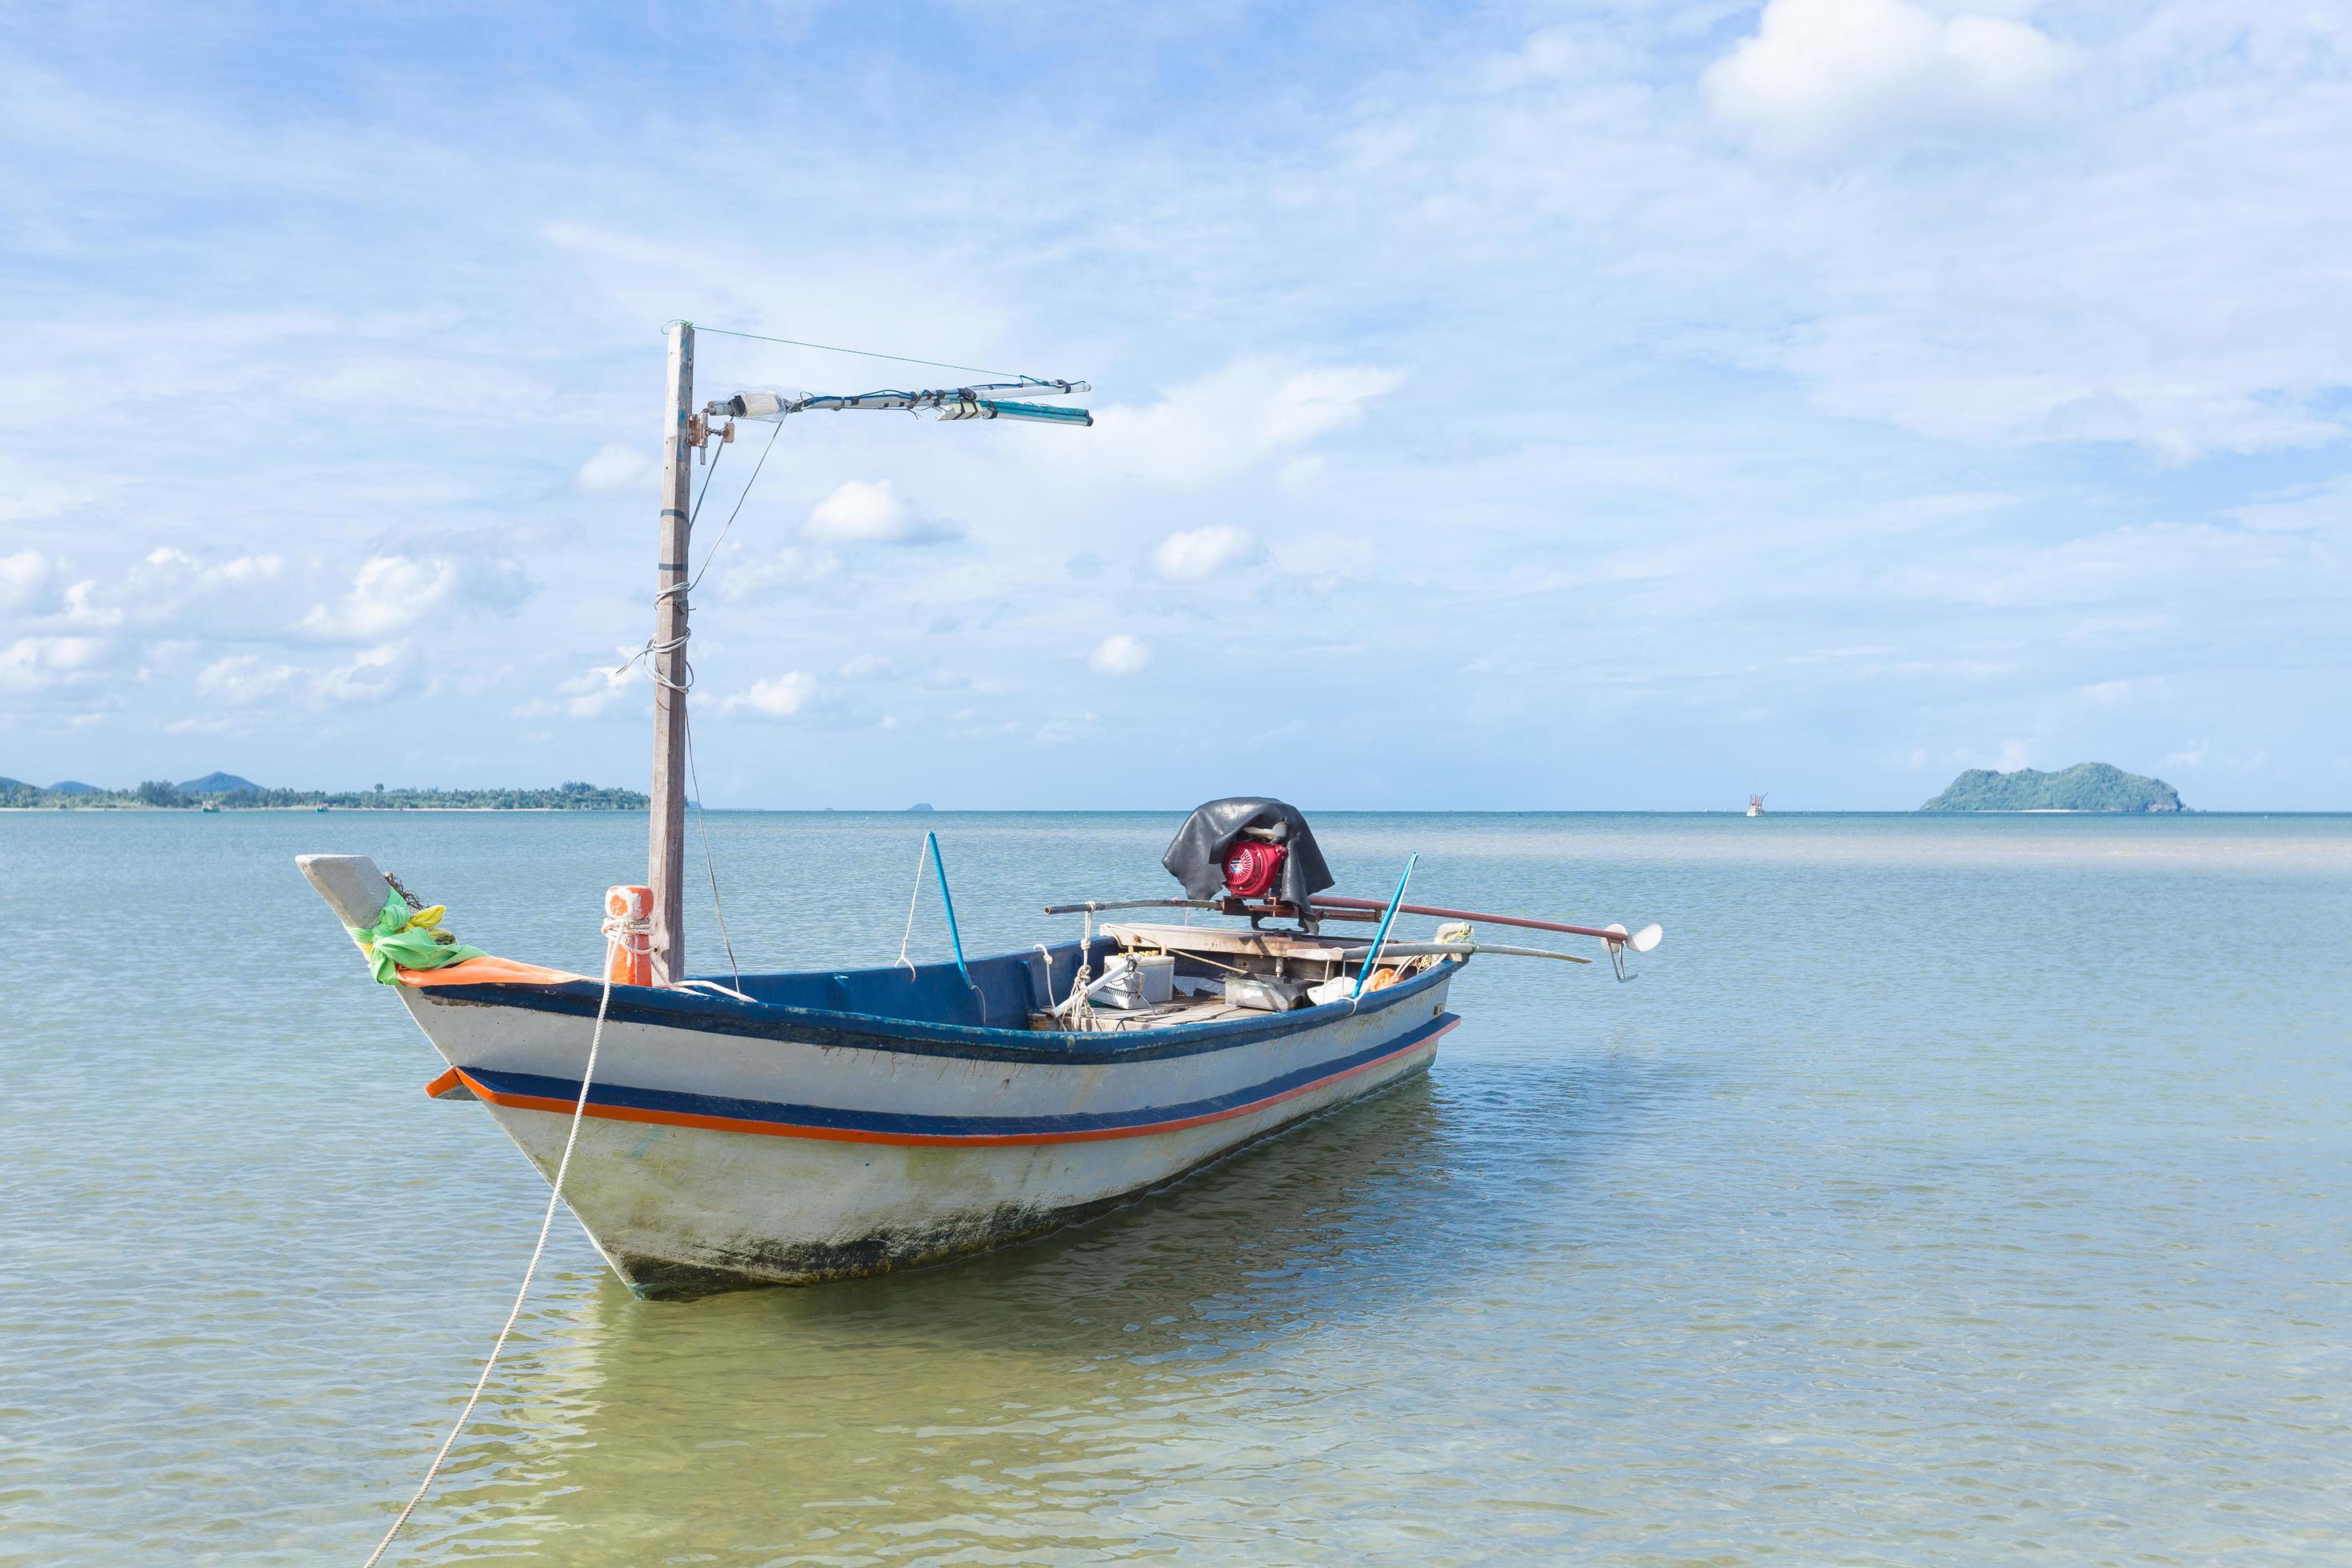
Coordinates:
column 1226, row 939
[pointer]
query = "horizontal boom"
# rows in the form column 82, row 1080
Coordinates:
column 1641, row 940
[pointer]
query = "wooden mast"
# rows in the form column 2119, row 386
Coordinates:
column 666, row 872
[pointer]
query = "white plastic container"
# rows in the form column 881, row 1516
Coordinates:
column 1131, row 982
column 1264, row 993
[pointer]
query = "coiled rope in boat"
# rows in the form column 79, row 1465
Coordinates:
column 614, row 931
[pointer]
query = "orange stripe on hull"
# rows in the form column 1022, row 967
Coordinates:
column 486, row 970
column 856, row 1135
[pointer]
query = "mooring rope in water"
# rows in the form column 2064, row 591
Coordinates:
column 546, row 1224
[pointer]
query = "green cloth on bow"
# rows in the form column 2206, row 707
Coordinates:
column 397, row 943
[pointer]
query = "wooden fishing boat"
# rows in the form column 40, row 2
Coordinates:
column 801, row 1127
column 789, row 1128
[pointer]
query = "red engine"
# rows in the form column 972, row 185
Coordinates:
column 1251, row 867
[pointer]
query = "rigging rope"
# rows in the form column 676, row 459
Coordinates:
column 712, row 554
column 862, row 353
column 709, row 868
column 612, row 935
column 655, row 648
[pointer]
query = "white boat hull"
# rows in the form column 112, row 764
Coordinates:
column 715, row 1153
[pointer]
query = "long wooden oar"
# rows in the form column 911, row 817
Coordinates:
column 1446, row 949
column 1641, row 940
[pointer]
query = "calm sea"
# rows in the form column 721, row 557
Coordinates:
column 1953, row 1190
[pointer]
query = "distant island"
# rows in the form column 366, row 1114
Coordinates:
column 229, row 792
column 2085, row 787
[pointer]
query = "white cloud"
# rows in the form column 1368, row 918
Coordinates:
column 23, row 497
column 371, row 675
column 393, row 592
column 181, row 567
column 2324, row 508
column 858, row 513
column 1821, row 74
column 1062, row 731
column 2111, row 693
column 2194, row 754
column 1235, row 419
column 780, row 571
column 37, row 664
column 780, row 698
column 242, row 679
column 1649, row 369
column 1119, row 655
column 388, row 593
column 27, row 580
column 1197, row 553
column 592, row 693
column 152, row 593
column 866, row 665
column 615, row 469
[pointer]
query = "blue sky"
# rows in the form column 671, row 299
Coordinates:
column 1518, row 407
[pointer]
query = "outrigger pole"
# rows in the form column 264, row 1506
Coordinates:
column 687, row 429
column 1335, row 907
column 1641, row 940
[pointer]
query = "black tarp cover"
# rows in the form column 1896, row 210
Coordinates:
column 1196, row 858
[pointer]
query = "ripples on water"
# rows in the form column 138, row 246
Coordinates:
column 1945, row 1191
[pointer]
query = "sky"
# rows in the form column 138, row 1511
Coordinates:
column 1573, row 406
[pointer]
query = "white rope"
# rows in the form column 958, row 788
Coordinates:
column 709, row 868
column 655, row 646
column 713, row 986
column 613, row 932
column 1046, row 957
column 921, row 855
column 1084, row 1019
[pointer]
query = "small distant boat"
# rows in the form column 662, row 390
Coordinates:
column 794, row 1127
column 1755, row 805
column 320, row 806
column 210, row 806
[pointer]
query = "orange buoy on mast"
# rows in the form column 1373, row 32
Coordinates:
column 629, row 933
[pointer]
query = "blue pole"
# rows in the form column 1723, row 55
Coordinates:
column 1365, row 976
column 946, row 898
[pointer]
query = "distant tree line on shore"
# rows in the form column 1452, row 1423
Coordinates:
column 160, row 795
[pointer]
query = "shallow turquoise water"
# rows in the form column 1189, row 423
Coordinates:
column 1944, row 1191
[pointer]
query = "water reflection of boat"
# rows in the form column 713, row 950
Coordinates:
column 1022, row 1405
column 1055, row 1373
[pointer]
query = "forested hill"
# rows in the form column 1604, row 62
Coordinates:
column 156, row 795
column 2085, row 787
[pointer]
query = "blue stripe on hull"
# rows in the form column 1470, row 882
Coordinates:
column 624, row 1098
column 809, row 1025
